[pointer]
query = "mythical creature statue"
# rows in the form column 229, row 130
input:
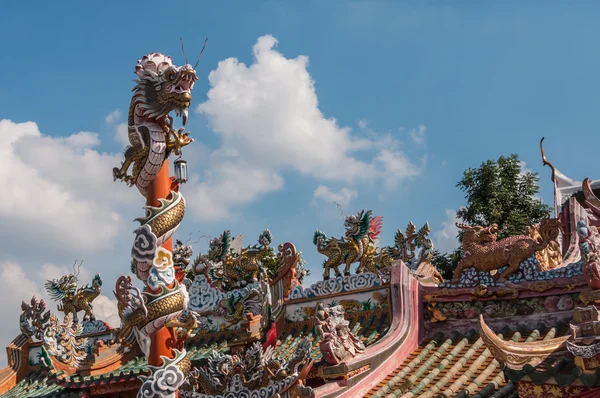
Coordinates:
column 337, row 342
column 550, row 257
column 484, row 252
column 229, row 267
column 413, row 247
column 34, row 318
column 160, row 88
column 256, row 370
column 362, row 231
column 73, row 300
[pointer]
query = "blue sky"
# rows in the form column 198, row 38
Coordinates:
column 483, row 80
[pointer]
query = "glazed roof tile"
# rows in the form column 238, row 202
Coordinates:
column 451, row 365
column 369, row 326
column 38, row 385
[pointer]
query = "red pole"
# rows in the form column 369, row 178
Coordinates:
column 162, row 341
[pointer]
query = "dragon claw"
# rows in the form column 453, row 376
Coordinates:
column 116, row 174
column 180, row 138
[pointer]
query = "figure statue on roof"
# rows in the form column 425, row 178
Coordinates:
column 484, row 252
column 337, row 342
column 415, row 249
column 182, row 255
column 72, row 300
column 362, row 231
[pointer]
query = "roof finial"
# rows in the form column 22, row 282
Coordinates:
column 545, row 161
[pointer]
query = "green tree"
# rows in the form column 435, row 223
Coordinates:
column 271, row 263
column 446, row 263
column 497, row 192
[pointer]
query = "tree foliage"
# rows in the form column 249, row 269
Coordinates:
column 271, row 264
column 497, row 192
column 446, row 263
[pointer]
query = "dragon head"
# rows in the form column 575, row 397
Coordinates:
column 97, row 281
column 319, row 238
column 65, row 286
column 162, row 87
column 265, row 238
column 479, row 234
column 218, row 247
column 358, row 226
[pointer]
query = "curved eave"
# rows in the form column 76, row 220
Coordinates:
column 517, row 355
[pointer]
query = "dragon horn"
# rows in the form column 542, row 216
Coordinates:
column 464, row 227
column 201, row 51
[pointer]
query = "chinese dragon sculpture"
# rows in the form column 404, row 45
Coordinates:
column 257, row 370
column 160, row 88
column 337, row 342
column 484, row 252
column 72, row 300
column 362, row 231
column 230, row 283
column 229, row 267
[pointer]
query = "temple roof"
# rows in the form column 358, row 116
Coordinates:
column 451, row 365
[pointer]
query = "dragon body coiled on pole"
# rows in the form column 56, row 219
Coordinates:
column 160, row 88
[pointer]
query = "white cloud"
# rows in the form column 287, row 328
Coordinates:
column 418, row 135
column 17, row 285
column 268, row 119
column 59, row 203
column 121, row 134
column 445, row 239
column 57, row 188
column 113, row 117
column 524, row 169
column 343, row 197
